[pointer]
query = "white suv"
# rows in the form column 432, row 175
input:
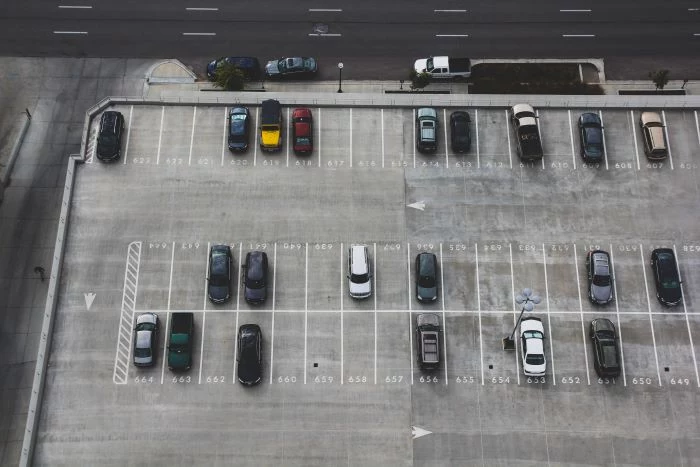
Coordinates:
column 359, row 272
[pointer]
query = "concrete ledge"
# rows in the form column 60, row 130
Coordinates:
column 24, row 119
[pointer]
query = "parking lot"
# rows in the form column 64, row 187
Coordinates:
column 341, row 374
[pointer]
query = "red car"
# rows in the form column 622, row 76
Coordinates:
column 302, row 131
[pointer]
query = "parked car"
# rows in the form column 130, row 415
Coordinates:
column 600, row 280
column 249, row 354
column 297, row 67
column 302, row 131
column 238, row 129
column 426, row 129
column 460, row 131
column 219, row 277
column 255, row 277
column 181, row 341
column 606, row 348
column 426, row 277
column 428, row 340
column 590, row 131
column 271, row 125
column 109, row 136
column 359, row 272
column 668, row 283
column 145, row 339
column 248, row 65
column 532, row 346
column 653, row 135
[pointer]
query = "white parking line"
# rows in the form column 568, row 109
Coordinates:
column 170, row 282
column 235, row 350
column 515, row 317
column 571, row 136
column 342, row 337
column 444, row 127
column 274, row 283
column 444, row 321
column 478, row 307
column 306, row 304
column 382, row 115
column 289, row 136
column 167, row 317
column 257, row 135
column 160, row 134
column 697, row 126
column 410, row 296
column 549, row 319
column 204, row 313
column 605, row 149
column 350, row 136
column 374, row 289
column 634, row 138
column 651, row 321
column 131, row 113
column 539, row 132
column 687, row 322
column 318, row 142
column 476, row 122
column 580, row 305
column 194, row 120
column 238, row 283
column 510, row 151
column 617, row 313
column 224, row 139
column 668, row 141
column 413, row 143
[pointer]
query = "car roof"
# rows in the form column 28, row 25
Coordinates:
column 143, row 339
column 254, row 262
column 359, row 264
column 426, row 263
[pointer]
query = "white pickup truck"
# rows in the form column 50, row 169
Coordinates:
column 444, row 67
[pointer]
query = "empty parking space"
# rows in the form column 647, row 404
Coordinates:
column 494, row 138
column 366, row 138
column 144, row 137
column 326, row 276
column 288, row 332
column 291, row 278
column 500, row 367
column 359, row 338
column 324, row 348
column 459, row 278
column 640, row 351
column 390, row 276
column 336, row 138
column 395, row 358
column 216, row 347
column 176, row 136
column 464, row 344
column 397, row 126
column 622, row 151
column 209, row 140
column 556, row 128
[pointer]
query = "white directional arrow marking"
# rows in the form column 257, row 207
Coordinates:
column 417, row 432
column 418, row 205
column 89, row 298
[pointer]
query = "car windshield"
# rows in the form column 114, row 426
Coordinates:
column 142, row 352
column 670, row 284
column 426, row 281
column 359, row 278
column 303, row 140
column 533, row 334
column 601, row 281
column 535, row 359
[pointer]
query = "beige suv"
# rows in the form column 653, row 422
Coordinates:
column 653, row 135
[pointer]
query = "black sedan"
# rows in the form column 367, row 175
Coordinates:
column 219, row 277
column 249, row 354
column 299, row 67
column 145, row 339
column 109, row 136
column 606, row 348
column 255, row 277
column 600, row 281
column 248, row 65
column 666, row 278
column 426, row 277
column 591, row 134
column 238, row 129
column 460, row 132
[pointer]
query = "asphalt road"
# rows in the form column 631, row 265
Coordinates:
column 374, row 41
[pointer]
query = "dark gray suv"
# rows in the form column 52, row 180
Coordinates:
column 255, row 277
column 600, row 280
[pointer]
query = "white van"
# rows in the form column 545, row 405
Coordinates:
column 359, row 272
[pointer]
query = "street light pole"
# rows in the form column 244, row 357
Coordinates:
column 340, row 77
column 528, row 302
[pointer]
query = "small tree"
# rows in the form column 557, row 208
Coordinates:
column 418, row 80
column 229, row 77
column 660, row 78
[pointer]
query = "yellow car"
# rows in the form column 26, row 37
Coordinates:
column 271, row 126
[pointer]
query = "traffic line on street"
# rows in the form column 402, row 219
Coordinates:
column 199, row 34
column 201, row 9
column 79, row 33
column 257, row 136
column 325, row 10
column 580, row 304
column 617, row 313
column 167, row 316
column 539, row 133
column 128, row 133
column 687, row 321
column 449, row 11
column 74, row 7
column 575, row 11
column 549, row 319
column 651, row 321
column 577, row 35
column 122, row 358
column 697, row 126
column 451, row 35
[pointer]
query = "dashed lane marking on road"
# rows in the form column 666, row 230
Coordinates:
column 126, row 318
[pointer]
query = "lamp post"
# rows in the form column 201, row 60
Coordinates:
column 528, row 302
column 340, row 76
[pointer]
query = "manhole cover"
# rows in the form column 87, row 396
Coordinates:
column 320, row 28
